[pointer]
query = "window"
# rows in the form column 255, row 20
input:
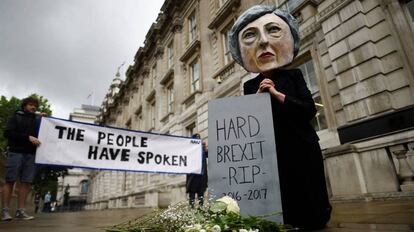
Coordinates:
column 290, row 5
column 192, row 27
column 410, row 6
column 226, row 47
column 84, row 187
column 308, row 71
column 152, row 114
column 190, row 129
column 139, row 121
column 153, row 76
column 195, row 76
column 170, row 51
column 170, row 98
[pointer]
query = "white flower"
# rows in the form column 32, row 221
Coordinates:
column 243, row 230
column 256, row 230
column 202, row 230
column 198, row 226
column 232, row 205
column 216, row 228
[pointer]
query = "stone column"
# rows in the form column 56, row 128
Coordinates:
column 405, row 172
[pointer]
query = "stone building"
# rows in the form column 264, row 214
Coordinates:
column 355, row 57
column 76, row 182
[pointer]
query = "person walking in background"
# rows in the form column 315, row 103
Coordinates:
column 37, row 202
column 195, row 183
column 46, row 202
column 22, row 141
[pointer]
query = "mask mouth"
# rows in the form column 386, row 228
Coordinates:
column 266, row 55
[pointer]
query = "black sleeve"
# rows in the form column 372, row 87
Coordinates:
column 11, row 131
column 302, row 104
column 248, row 89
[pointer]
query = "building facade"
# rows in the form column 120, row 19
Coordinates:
column 75, row 184
column 355, row 57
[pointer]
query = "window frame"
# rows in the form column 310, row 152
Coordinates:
column 320, row 121
column 192, row 27
column 195, row 84
column 227, row 58
column 170, row 54
column 152, row 114
column 170, row 97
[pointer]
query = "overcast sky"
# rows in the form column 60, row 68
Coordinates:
column 66, row 49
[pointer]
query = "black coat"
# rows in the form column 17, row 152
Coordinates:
column 19, row 127
column 304, row 195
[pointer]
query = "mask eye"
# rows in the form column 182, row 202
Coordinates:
column 273, row 29
column 249, row 34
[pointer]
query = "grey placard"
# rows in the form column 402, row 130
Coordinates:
column 242, row 154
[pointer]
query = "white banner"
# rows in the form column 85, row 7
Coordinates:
column 76, row 144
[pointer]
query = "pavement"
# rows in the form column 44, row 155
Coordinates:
column 379, row 216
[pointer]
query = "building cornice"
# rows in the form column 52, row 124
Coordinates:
column 229, row 7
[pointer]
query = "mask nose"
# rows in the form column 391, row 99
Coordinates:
column 264, row 41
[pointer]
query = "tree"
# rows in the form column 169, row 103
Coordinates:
column 7, row 108
column 46, row 176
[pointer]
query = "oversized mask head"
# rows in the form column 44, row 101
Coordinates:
column 262, row 39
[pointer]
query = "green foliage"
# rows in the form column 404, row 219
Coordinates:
column 7, row 109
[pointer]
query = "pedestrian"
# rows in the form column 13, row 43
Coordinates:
column 196, row 184
column 265, row 40
column 21, row 133
column 46, row 202
column 37, row 202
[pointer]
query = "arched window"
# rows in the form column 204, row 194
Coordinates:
column 84, row 187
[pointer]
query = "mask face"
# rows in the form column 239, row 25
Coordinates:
column 266, row 44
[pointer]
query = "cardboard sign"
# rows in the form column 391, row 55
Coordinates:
column 242, row 154
column 76, row 144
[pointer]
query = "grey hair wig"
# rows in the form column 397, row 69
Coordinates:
column 254, row 13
